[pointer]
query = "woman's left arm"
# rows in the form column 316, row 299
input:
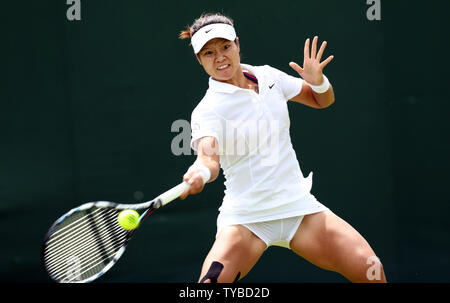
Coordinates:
column 313, row 77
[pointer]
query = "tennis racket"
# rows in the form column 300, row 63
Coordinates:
column 87, row 241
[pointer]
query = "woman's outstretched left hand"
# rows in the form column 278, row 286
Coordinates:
column 312, row 67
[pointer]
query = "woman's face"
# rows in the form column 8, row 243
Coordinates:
column 220, row 59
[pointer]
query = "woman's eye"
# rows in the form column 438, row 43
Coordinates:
column 227, row 46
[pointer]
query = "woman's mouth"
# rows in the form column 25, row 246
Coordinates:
column 222, row 67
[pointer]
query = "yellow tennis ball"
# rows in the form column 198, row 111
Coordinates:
column 128, row 219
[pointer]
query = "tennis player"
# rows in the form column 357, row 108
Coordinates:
column 242, row 126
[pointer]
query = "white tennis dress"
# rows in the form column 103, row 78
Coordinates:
column 263, row 177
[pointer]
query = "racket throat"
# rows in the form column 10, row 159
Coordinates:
column 158, row 203
column 154, row 206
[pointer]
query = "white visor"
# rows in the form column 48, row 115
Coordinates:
column 211, row 31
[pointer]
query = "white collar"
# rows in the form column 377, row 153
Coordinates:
column 222, row 87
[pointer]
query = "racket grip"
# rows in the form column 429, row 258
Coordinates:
column 173, row 193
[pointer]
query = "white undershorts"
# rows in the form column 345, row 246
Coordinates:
column 276, row 228
column 275, row 232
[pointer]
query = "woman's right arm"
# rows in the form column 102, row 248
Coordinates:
column 207, row 158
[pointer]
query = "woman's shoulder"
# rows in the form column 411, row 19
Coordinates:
column 265, row 70
column 204, row 107
column 265, row 67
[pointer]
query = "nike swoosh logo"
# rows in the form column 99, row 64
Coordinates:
column 270, row 86
column 209, row 30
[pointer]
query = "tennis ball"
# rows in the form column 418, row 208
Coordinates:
column 128, row 219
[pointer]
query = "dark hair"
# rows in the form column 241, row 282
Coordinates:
column 203, row 20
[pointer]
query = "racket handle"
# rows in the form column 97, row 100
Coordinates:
column 173, row 193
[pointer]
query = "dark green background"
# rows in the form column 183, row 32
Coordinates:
column 87, row 108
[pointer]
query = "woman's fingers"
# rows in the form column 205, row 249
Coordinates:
column 314, row 47
column 311, row 61
column 314, row 55
column 321, row 50
column 306, row 50
column 195, row 180
column 326, row 61
column 188, row 179
column 296, row 67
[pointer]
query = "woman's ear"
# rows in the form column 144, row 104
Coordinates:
column 198, row 59
column 237, row 44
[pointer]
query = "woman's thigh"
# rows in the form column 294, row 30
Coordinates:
column 237, row 250
column 329, row 242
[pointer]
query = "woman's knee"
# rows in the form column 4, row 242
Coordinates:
column 218, row 272
column 374, row 270
column 363, row 265
column 233, row 254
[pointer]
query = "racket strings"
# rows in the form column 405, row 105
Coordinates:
column 71, row 224
column 73, row 236
column 89, row 270
column 86, row 262
column 84, row 244
column 97, row 247
column 56, row 256
column 77, row 235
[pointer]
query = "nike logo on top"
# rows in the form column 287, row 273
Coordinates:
column 270, row 86
column 209, row 30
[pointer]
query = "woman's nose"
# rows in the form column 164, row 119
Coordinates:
column 219, row 56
